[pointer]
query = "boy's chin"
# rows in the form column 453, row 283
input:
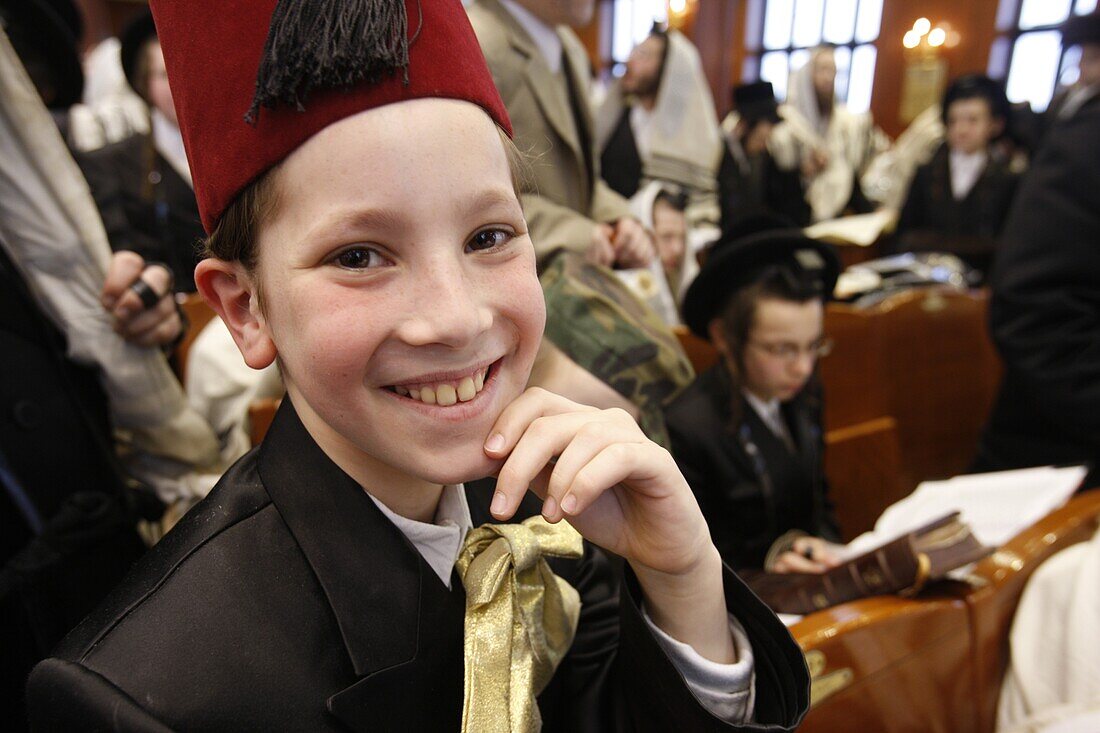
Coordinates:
column 461, row 469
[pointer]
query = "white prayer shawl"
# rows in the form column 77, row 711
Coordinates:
column 849, row 140
column 886, row 180
column 684, row 141
column 1054, row 669
column 52, row 232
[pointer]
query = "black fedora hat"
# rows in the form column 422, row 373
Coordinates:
column 981, row 86
column 734, row 263
column 42, row 34
column 132, row 40
column 1081, row 29
column 756, row 101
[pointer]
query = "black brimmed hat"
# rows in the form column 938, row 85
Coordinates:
column 1081, row 29
column 137, row 33
column 810, row 266
column 756, row 102
column 971, row 86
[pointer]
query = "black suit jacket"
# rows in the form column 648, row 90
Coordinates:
column 1045, row 308
column 287, row 601
column 751, row 488
column 146, row 206
column 932, row 219
column 762, row 189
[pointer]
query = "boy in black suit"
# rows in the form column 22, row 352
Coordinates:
column 366, row 232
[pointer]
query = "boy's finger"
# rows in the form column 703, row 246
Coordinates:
column 524, row 410
column 592, row 439
column 613, row 465
column 124, row 268
column 543, row 439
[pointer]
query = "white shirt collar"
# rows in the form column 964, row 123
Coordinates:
column 966, row 169
column 439, row 542
column 546, row 38
column 168, row 141
column 768, row 411
column 1076, row 99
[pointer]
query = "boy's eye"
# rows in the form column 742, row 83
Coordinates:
column 489, row 238
column 359, row 258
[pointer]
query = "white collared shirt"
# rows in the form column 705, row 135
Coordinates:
column 772, row 415
column 966, row 169
column 545, row 36
column 726, row 690
column 168, row 141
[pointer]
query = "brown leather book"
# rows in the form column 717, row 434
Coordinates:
column 902, row 565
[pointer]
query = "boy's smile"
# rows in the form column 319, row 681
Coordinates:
column 399, row 292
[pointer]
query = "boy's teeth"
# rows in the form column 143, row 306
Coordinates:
column 466, row 390
column 446, row 393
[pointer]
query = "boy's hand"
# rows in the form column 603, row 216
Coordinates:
column 145, row 326
column 624, row 493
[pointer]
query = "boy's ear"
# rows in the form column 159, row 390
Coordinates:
column 717, row 333
column 231, row 292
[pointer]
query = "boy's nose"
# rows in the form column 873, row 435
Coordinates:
column 447, row 310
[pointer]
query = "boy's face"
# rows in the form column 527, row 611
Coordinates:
column 160, row 94
column 970, row 125
column 780, row 354
column 399, row 289
column 670, row 232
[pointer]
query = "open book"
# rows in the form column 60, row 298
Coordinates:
column 958, row 516
column 905, row 564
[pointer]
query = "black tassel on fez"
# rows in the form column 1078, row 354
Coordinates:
column 329, row 44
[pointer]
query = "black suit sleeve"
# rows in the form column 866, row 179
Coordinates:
column 1045, row 310
column 618, row 678
column 72, row 697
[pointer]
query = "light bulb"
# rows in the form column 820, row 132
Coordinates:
column 911, row 39
column 922, row 26
column 936, row 37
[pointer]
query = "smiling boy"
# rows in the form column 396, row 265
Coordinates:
column 374, row 244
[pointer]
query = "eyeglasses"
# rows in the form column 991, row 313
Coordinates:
column 788, row 352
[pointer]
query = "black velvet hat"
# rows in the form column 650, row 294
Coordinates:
column 1081, row 29
column 756, row 102
column 132, row 39
column 42, row 34
column 971, row 86
column 741, row 260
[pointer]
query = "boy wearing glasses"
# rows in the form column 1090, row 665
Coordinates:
column 747, row 433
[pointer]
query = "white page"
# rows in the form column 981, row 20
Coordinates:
column 997, row 506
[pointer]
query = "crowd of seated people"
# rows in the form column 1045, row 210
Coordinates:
column 647, row 213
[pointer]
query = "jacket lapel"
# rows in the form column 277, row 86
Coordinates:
column 401, row 628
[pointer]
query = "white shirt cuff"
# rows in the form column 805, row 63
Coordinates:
column 727, row 691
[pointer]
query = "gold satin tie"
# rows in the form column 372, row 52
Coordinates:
column 520, row 621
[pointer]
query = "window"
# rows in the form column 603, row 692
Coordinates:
column 790, row 28
column 631, row 22
column 1028, row 52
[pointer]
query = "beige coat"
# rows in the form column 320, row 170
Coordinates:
column 571, row 197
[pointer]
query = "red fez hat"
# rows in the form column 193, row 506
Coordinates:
column 322, row 60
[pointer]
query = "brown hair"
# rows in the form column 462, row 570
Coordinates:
column 234, row 238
